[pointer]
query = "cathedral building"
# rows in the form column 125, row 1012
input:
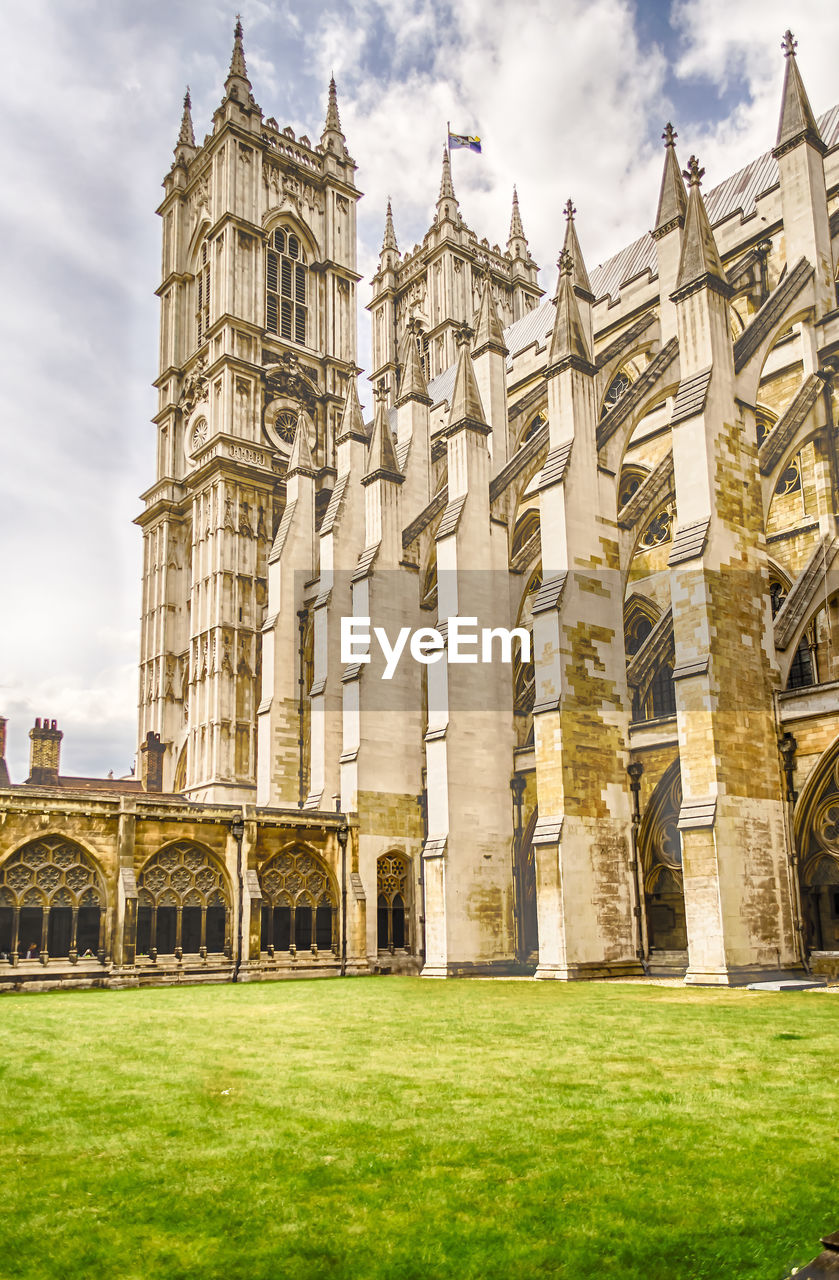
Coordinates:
column 636, row 474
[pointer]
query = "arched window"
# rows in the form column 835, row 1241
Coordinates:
column 801, row 669
column 526, row 541
column 536, row 424
column 182, row 903
column 51, row 899
column 616, row 390
column 661, row 699
column 392, row 896
column 286, row 304
column 202, row 303
column 632, row 477
column 299, row 904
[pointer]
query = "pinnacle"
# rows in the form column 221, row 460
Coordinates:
column 413, row 385
column 352, row 420
column 389, row 241
column 333, row 119
column 700, row 257
column 571, row 248
column 446, row 188
column 237, row 60
column 186, row 137
column 797, row 122
column 301, row 454
column 381, row 457
column 466, row 399
column 568, row 338
column 516, row 228
column 672, row 201
column 488, row 329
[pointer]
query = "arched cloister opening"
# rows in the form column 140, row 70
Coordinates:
column 817, row 841
column 52, row 900
column 184, row 903
column 660, row 851
column 393, row 903
column 299, row 903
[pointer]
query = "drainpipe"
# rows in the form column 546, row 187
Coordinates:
column 787, row 746
column 302, row 616
column 518, row 785
column 343, row 835
column 237, row 830
column 635, row 770
column 422, row 801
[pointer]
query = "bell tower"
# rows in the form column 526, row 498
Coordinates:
column 257, row 335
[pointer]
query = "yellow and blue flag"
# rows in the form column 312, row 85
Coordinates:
column 464, row 140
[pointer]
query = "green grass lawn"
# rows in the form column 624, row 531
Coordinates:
column 394, row 1127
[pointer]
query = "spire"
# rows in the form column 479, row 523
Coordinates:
column 700, row 261
column 571, row 246
column 413, row 385
column 672, row 201
column 516, row 228
column 332, row 138
column 797, row 122
column 333, row 120
column 568, row 341
column 488, row 331
column 352, row 420
column 446, row 188
column 301, row 454
column 466, row 407
column 186, row 137
column 389, row 241
column 238, row 69
column 185, row 146
column 381, row 456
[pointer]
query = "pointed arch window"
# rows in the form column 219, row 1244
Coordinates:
column 392, row 893
column 287, row 287
column 299, row 903
column 203, row 294
column 183, row 903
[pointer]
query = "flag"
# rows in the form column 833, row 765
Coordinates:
column 464, row 140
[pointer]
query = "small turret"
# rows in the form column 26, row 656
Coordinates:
column 489, row 334
column 571, row 247
column 672, row 201
column 381, row 456
column 237, row 85
column 797, row 122
column 389, row 255
column 466, row 409
column 412, row 385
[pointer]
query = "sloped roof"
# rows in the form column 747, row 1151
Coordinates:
column 740, row 191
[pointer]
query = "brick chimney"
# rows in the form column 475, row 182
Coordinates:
column 4, row 772
column 152, row 752
column 44, row 753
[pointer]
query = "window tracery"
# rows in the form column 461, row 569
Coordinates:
column 632, row 477
column 299, row 905
column 392, row 897
column 658, row 531
column 286, row 282
column 203, row 294
column 183, row 903
column 615, row 391
column 51, row 899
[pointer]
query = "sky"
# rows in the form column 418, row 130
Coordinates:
column 569, row 98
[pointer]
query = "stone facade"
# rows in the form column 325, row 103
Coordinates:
column 639, row 473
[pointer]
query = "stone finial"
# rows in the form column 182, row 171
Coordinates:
column 569, row 210
column 571, row 249
column 412, row 385
column 466, row 404
column 352, row 420
column 301, row 454
column 670, row 135
column 693, row 173
column 489, row 332
column 789, row 44
column 568, row 340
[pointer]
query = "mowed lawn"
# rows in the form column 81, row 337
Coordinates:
column 401, row 1128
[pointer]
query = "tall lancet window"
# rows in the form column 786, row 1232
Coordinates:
column 203, row 294
column 286, row 304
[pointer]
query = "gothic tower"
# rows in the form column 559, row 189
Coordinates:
column 257, row 339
